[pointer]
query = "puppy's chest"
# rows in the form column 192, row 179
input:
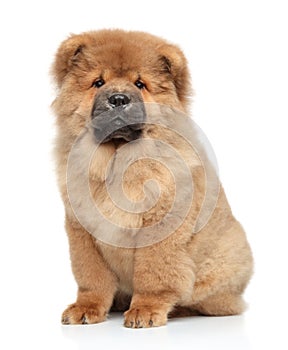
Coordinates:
column 136, row 195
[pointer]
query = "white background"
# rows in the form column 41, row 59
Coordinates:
column 238, row 59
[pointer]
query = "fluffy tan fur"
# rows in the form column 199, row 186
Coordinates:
column 206, row 272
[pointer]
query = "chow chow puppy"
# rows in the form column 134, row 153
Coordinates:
column 121, row 97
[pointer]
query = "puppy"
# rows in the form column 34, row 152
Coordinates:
column 150, row 230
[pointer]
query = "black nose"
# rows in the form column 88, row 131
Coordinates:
column 117, row 100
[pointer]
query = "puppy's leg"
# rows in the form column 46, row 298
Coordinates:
column 218, row 291
column 163, row 276
column 96, row 283
column 222, row 278
column 221, row 304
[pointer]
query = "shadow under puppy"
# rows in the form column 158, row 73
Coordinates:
column 108, row 79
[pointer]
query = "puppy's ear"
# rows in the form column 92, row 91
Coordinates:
column 174, row 62
column 67, row 57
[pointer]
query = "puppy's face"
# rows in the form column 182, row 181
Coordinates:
column 107, row 76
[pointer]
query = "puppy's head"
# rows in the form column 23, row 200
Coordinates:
column 107, row 76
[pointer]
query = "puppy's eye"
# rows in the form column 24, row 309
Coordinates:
column 140, row 85
column 98, row 83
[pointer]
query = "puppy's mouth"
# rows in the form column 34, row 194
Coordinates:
column 120, row 124
column 122, row 120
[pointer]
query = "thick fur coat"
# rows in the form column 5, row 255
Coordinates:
column 184, row 272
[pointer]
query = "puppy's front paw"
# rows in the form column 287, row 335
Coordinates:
column 144, row 317
column 84, row 314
